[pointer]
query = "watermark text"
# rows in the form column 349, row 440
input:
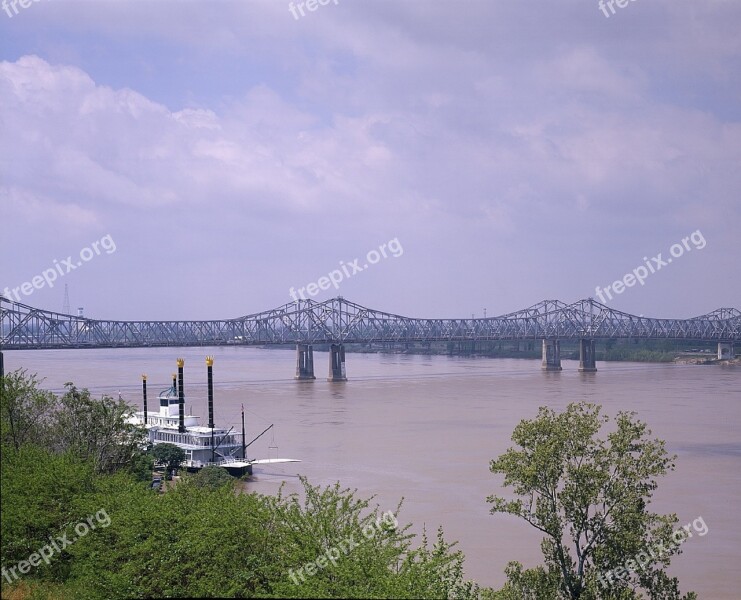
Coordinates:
column 60, row 269
column 656, row 551
column 13, row 4
column 347, row 270
column 311, row 6
column 56, row 544
column 641, row 273
column 604, row 4
column 385, row 522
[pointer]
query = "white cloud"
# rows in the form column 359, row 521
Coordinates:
column 469, row 129
column 36, row 209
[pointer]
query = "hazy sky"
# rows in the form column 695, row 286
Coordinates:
column 512, row 150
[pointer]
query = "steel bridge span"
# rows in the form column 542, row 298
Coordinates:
column 338, row 321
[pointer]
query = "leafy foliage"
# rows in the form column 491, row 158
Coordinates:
column 375, row 558
column 170, row 455
column 203, row 541
column 97, row 430
column 25, row 410
column 141, row 466
column 202, row 537
column 212, row 476
column 37, row 492
column 589, row 497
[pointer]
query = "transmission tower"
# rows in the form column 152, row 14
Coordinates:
column 65, row 307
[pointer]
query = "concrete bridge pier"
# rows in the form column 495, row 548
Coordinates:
column 587, row 362
column 304, row 362
column 551, row 355
column 725, row 350
column 337, row 363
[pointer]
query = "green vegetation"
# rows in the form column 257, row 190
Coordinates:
column 572, row 485
column 632, row 350
column 68, row 462
column 213, row 477
column 169, row 455
column 67, row 459
column 642, row 350
column 96, row 431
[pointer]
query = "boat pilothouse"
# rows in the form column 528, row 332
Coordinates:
column 209, row 445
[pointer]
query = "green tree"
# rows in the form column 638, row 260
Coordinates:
column 100, row 431
column 589, row 496
column 37, row 493
column 25, row 410
column 379, row 562
column 141, row 466
column 212, row 476
column 192, row 542
column 208, row 542
column 170, row 455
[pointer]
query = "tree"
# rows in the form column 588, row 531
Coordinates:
column 37, row 493
column 170, row 455
column 97, row 430
column 201, row 542
column 25, row 410
column 212, row 476
column 589, row 497
column 328, row 543
column 141, row 466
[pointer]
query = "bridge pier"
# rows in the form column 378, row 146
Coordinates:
column 304, row 362
column 587, row 362
column 551, row 355
column 337, row 363
column 725, row 350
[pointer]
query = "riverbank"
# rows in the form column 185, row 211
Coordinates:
column 694, row 360
column 609, row 351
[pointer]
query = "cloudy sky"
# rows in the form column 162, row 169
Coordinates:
column 229, row 151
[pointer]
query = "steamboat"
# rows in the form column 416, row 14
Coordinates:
column 203, row 445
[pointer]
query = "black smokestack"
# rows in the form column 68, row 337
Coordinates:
column 181, row 396
column 244, row 439
column 144, row 395
column 210, row 367
column 175, row 384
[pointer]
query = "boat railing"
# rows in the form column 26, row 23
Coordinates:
column 230, row 459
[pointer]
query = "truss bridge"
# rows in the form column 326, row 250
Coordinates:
column 338, row 321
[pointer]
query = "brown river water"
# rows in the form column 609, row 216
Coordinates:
column 425, row 427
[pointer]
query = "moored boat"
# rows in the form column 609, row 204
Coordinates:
column 203, row 445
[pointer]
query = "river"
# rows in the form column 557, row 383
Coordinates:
column 425, row 427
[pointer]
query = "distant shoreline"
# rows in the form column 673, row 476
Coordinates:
column 530, row 350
